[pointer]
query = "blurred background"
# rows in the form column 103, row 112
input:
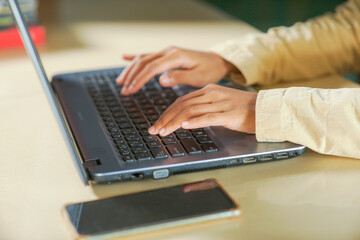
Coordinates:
column 262, row 14
column 55, row 18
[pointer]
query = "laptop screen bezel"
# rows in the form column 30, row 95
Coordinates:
column 50, row 95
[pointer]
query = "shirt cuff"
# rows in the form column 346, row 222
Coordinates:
column 269, row 117
column 238, row 52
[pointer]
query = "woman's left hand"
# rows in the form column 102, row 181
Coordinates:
column 213, row 105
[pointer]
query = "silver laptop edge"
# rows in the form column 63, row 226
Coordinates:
column 34, row 55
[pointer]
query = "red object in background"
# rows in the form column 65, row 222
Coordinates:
column 10, row 38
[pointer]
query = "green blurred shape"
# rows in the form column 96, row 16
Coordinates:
column 264, row 14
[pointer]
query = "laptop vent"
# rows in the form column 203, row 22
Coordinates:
column 197, row 170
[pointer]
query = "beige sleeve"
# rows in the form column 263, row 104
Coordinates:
column 325, row 45
column 327, row 121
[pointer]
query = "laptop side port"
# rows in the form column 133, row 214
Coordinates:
column 249, row 159
column 235, row 161
column 137, row 176
column 266, row 157
column 282, row 155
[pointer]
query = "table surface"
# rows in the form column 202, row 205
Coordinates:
column 309, row 197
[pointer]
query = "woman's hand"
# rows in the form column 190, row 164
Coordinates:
column 213, row 105
column 188, row 67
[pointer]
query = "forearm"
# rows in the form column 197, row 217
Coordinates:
column 327, row 121
column 320, row 46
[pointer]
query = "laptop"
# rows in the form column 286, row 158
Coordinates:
column 106, row 133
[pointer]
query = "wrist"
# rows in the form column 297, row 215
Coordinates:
column 252, row 113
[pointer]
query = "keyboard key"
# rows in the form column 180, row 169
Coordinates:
column 159, row 153
column 168, row 136
column 125, row 98
column 129, row 104
column 143, row 101
column 204, row 140
column 121, row 119
column 136, row 115
column 121, row 146
column 129, row 159
column 135, row 144
column 190, row 146
column 124, row 125
column 199, row 134
column 143, row 126
column 110, row 124
column 115, row 109
column 143, row 156
column 197, row 129
column 183, row 135
column 116, row 135
column 144, row 132
column 119, row 141
column 119, row 114
column 154, row 144
column 160, row 102
column 124, row 152
column 150, row 111
column 139, row 120
column 139, row 149
column 129, row 131
column 147, row 106
column 132, row 109
column 175, row 150
column 113, row 130
column 181, row 130
column 150, row 138
column 209, row 147
column 105, row 114
column 167, row 141
column 112, row 103
column 132, row 137
column 153, row 117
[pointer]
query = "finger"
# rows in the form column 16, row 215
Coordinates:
column 178, row 107
column 120, row 79
column 188, row 113
column 124, row 74
column 207, row 120
column 204, row 94
column 154, row 68
column 177, row 77
column 128, row 56
column 138, row 66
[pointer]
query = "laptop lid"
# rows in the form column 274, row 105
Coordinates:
column 35, row 58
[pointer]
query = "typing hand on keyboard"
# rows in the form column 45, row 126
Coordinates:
column 128, row 118
column 212, row 105
column 187, row 67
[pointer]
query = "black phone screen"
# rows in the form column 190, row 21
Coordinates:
column 149, row 208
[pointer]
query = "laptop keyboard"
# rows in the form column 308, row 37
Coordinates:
column 128, row 118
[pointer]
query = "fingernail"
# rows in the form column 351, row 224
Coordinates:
column 118, row 80
column 123, row 90
column 185, row 123
column 130, row 87
column 162, row 131
column 167, row 80
column 152, row 130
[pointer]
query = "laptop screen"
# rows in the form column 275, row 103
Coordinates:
column 34, row 55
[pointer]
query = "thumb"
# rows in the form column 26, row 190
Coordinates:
column 176, row 77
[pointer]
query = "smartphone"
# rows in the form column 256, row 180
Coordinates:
column 150, row 210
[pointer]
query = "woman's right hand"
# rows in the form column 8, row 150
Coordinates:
column 182, row 67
